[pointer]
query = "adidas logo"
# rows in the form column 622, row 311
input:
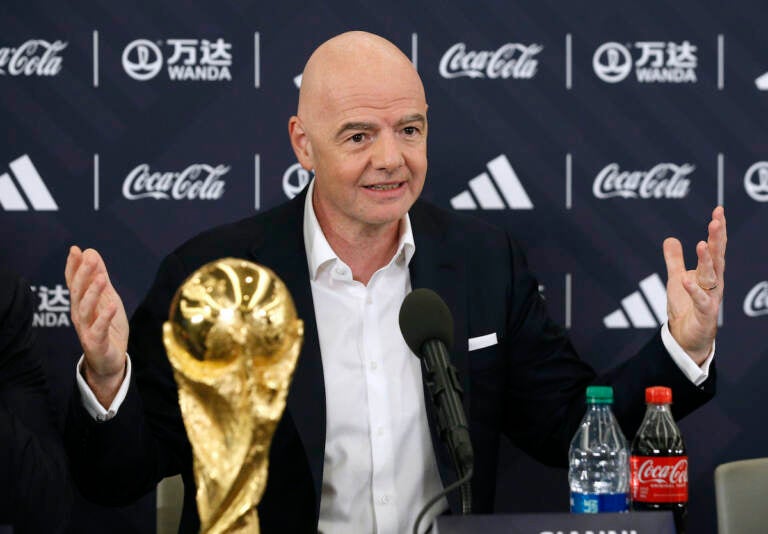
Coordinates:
column 636, row 309
column 31, row 184
column 487, row 195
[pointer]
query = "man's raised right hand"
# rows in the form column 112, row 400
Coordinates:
column 100, row 321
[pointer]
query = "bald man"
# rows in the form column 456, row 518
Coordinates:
column 355, row 451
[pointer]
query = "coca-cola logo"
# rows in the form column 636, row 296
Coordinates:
column 756, row 181
column 665, row 180
column 510, row 60
column 36, row 57
column 756, row 303
column 199, row 181
column 674, row 474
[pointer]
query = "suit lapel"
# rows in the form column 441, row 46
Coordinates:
column 281, row 248
column 436, row 266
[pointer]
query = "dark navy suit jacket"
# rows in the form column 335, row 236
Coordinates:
column 530, row 386
column 35, row 493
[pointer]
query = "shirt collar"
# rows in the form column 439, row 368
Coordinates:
column 319, row 252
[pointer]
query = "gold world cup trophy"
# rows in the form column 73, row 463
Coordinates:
column 233, row 339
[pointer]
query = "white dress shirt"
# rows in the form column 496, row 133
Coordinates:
column 379, row 467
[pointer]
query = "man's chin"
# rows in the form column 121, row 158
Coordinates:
column 389, row 213
column 381, row 218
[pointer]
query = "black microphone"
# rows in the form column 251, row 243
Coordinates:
column 427, row 326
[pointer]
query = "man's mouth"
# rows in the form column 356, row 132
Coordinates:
column 384, row 187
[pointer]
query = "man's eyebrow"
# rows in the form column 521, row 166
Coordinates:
column 347, row 126
column 416, row 117
column 367, row 126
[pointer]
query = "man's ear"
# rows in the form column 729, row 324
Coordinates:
column 302, row 147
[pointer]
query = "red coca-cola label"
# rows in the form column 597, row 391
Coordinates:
column 659, row 478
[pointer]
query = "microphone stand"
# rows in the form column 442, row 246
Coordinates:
column 466, row 498
column 442, row 381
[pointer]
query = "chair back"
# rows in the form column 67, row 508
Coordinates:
column 170, row 500
column 741, row 492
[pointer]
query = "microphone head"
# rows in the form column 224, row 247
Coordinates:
column 425, row 316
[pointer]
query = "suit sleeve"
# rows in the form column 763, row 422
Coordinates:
column 117, row 461
column 35, row 495
column 546, row 379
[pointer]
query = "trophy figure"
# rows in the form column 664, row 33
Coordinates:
column 233, row 339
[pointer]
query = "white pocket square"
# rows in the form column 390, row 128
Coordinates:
column 480, row 342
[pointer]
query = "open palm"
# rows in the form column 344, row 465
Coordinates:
column 99, row 318
column 694, row 296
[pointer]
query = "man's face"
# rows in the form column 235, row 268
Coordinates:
column 367, row 145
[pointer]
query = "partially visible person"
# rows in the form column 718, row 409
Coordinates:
column 35, row 493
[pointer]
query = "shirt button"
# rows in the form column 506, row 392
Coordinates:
column 369, row 300
column 380, row 431
column 341, row 271
column 373, row 366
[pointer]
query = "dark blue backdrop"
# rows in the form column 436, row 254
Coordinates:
column 592, row 130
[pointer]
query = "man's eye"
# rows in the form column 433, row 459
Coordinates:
column 410, row 130
column 357, row 138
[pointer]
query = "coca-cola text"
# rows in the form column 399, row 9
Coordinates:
column 36, row 57
column 756, row 302
column 651, row 471
column 198, row 181
column 511, row 60
column 659, row 478
column 665, row 180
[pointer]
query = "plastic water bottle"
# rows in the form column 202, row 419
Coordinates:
column 659, row 461
column 598, row 470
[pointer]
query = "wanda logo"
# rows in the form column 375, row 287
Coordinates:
column 672, row 474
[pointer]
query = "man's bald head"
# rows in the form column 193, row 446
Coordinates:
column 362, row 127
column 353, row 60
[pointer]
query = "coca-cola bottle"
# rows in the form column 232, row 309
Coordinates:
column 658, row 461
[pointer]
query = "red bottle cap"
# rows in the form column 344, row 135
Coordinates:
column 658, row 395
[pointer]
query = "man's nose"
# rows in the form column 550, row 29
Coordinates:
column 387, row 153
